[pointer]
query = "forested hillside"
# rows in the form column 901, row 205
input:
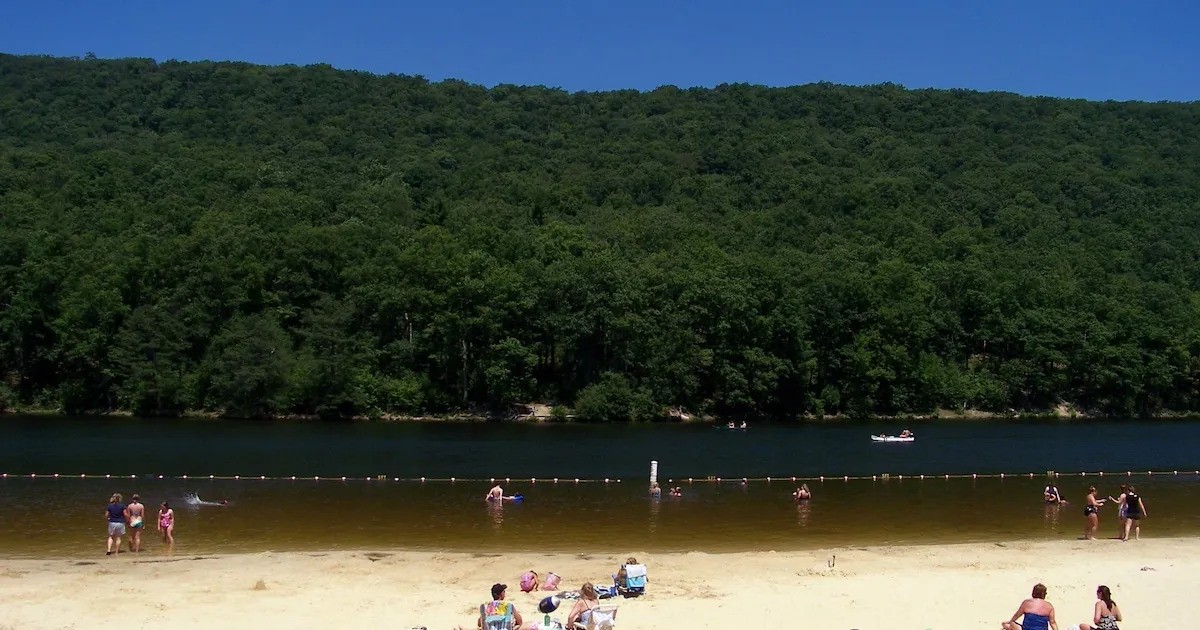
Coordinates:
column 267, row 240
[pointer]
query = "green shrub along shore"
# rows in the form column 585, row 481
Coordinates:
column 275, row 241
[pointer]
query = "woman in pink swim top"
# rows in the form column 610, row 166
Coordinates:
column 166, row 523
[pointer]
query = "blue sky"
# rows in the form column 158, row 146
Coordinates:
column 1124, row 50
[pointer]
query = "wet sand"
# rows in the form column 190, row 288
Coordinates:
column 963, row 586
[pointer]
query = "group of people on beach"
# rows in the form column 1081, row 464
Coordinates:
column 131, row 517
column 1130, row 510
column 1038, row 614
column 587, row 611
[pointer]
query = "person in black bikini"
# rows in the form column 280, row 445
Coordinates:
column 1091, row 512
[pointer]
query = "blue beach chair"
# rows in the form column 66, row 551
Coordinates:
column 635, row 581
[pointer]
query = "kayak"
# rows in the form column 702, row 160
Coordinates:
column 892, row 438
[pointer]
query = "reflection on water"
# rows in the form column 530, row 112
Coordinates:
column 496, row 509
column 1052, row 512
column 709, row 515
column 803, row 512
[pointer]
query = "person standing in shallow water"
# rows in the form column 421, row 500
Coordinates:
column 1134, row 511
column 137, row 514
column 1091, row 514
column 1121, row 515
column 166, row 523
column 115, row 515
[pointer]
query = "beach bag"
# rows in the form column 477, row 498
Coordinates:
column 552, row 580
column 528, row 581
column 606, row 592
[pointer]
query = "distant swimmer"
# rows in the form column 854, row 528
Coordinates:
column 192, row 498
column 802, row 493
column 677, row 491
column 495, row 494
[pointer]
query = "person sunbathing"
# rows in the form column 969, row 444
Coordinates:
column 588, row 601
column 1038, row 613
column 1106, row 614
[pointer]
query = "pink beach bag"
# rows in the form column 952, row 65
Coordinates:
column 528, row 581
column 552, row 580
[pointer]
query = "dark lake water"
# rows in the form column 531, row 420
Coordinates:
column 278, row 514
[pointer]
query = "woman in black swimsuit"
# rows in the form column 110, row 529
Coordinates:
column 1134, row 511
column 1091, row 512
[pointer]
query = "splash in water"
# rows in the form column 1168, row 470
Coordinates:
column 192, row 498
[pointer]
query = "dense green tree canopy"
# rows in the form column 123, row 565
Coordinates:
column 261, row 240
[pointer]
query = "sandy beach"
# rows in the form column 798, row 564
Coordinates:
column 936, row 587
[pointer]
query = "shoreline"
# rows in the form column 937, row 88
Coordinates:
column 471, row 417
column 969, row 585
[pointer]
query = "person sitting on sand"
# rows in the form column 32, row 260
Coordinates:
column 588, row 601
column 802, row 493
column 499, row 614
column 1039, row 613
column 1106, row 614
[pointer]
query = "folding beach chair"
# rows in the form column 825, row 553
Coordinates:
column 497, row 615
column 602, row 618
column 635, row 580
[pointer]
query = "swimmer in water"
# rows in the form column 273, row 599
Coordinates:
column 495, row 494
column 192, row 498
column 802, row 493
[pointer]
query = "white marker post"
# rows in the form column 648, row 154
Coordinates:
column 653, row 472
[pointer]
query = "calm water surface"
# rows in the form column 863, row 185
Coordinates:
column 618, row 516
